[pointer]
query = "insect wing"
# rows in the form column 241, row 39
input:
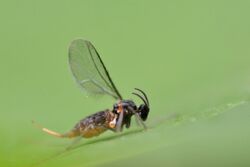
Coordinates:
column 89, row 71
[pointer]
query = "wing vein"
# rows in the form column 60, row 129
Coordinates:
column 89, row 70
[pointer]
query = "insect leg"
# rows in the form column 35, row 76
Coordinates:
column 74, row 143
column 119, row 122
column 137, row 117
column 137, row 122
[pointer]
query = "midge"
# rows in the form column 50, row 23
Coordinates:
column 91, row 74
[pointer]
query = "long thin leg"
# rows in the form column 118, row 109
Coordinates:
column 140, row 121
column 74, row 143
column 137, row 122
column 138, row 118
column 119, row 122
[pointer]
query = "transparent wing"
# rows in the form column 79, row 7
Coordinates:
column 89, row 71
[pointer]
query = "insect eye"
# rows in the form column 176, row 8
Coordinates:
column 143, row 111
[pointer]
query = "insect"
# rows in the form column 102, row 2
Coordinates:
column 91, row 74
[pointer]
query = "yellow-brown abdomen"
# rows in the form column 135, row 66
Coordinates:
column 94, row 124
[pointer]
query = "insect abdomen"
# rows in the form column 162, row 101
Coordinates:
column 94, row 125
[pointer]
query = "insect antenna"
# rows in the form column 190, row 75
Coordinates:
column 144, row 94
column 140, row 98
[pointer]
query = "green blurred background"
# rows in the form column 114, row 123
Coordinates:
column 191, row 57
